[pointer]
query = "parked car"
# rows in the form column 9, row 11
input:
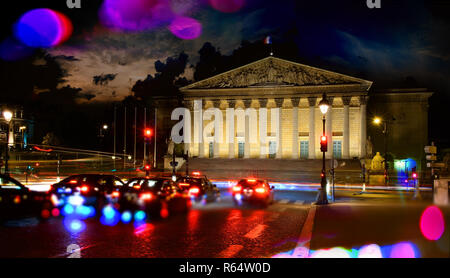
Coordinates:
column 18, row 201
column 156, row 196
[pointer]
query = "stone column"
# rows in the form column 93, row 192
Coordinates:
column 189, row 104
column 279, row 103
column 216, row 148
column 312, row 134
column 262, row 129
column 363, row 118
column 346, row 130
column 198, row 126
column 329, row 128
column 247, row 103
column 295, row 151
column 230, row 127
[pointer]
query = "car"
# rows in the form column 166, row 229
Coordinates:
column 157, row 196
column 199, row 187
column 255, row 191
column 18, row 201
column 96, row 190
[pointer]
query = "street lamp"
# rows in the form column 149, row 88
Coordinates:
column 378, row 121
column 322, row 198
column 8, row 117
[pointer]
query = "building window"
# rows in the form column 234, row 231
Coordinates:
column 337, row 149
column 304, row 149
column 211, row 149
column 272, row 149
column 241, row 146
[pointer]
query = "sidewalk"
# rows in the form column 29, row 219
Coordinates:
column 393, row 225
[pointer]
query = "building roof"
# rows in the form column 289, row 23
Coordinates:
column 273, row 72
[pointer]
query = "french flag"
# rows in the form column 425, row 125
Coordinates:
column 268, row 40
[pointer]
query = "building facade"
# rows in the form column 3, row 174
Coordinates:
column 20, row 128
column 295, row 89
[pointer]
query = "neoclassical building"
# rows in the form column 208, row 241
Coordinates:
column 296, row 90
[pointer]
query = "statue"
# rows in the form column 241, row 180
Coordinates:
column 377, row 163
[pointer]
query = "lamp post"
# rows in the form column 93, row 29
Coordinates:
column 322, row 197
column 378, row 121
column 8, row 117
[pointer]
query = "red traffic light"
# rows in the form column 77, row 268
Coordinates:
column 414, row 175
column 147, row 167
column 323, row 143
column 148, row 132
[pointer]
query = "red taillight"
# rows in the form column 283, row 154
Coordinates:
column 115, row 194
column 137, row 186
column 260, row 190
column 196, row 173
column 194, row 191
column 251, row 180
column 146, row 196
column 237, row 188
column 73, row 181
column 84, row 188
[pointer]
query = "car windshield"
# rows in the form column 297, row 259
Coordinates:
column 8, row 183
column 92, row 180
column 190, row 181
column 143, row 184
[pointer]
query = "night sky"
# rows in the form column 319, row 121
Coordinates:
column 405, row 43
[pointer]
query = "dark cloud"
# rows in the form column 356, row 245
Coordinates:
column 103, row 79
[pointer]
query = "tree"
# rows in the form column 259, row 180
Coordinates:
column 50, row 139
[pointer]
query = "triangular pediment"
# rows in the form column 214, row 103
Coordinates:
column 275, row 72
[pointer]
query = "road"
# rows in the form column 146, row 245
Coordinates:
column 213, row 230
column 223, row 230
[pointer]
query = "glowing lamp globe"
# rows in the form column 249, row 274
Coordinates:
column 323, row 105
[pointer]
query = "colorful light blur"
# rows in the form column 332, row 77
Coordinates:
column 432, row 223
column 12, row 50
column 186, row 28
column 140, row 216
column 126, row 217
column 110, row 216
column 404, row 250
column 335, row 252
column 227, row 6
column 398, row 250
column 74, row 225
column 370, row 251
column 135, row 15
column 43, row 28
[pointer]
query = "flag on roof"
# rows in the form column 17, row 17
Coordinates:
column 268, row 40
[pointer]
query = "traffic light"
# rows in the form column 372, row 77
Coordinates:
column 414, row 173
column 148, row 133
column 147, row 167
column 323, row 143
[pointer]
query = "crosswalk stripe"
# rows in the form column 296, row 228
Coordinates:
column 284, row 201
column 299, row 202
column 230, row 251
column 256, row 232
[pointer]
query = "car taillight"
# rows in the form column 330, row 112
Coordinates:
column 260, row 190
column 115, row 194
column 194, row 191
column 84, row 188
column 146, row 196
column 137, row 186
column 237, row 188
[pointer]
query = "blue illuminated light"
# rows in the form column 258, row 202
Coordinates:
column 126, row 217
column 140, row 216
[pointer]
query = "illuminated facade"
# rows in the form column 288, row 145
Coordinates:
column 296, row 90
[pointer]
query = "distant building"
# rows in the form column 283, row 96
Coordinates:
column 20, row 128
